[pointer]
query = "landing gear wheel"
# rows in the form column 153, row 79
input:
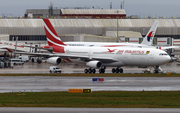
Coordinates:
column 93, row 71
column 32, row 60
column 113, row 70
column 117, row 70
column 101, row 70
column 104, row 67
column 86, row 70
column 156, row 71
column 121, row 70
column 90, row 70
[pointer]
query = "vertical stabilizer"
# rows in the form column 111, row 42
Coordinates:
column 148, row 39
column 52, row 36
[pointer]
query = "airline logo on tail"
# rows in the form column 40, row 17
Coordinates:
column 52, row 37
column 150, row 36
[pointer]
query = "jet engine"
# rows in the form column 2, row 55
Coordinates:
column 54, row 60
column 94, row 64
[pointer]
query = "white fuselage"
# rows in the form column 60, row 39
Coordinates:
column 104, row 44
column 117, row 56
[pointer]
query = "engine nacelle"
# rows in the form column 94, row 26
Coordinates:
column 54, row 60
column 94, row 64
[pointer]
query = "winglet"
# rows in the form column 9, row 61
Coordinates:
column 147, row 40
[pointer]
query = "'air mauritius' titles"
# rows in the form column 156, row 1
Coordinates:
column 126, row 51
column 131, row 51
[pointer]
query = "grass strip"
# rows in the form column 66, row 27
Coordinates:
column 99, row 99
column 95, row 75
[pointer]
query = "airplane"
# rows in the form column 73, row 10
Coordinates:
column 147, row 40
column 12, row 45
column 100, row 57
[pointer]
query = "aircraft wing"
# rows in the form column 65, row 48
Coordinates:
column 3, row 47
column 36, row 54
column 48, row 49
column 73, row 56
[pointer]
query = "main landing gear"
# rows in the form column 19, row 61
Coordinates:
column 103, row 69
column 90, row 70
column 117, row 70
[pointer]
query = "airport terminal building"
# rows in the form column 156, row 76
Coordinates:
column 69, row 26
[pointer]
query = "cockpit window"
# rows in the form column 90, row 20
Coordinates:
column 162, row 54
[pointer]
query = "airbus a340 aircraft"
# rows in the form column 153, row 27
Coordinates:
column 100, row 57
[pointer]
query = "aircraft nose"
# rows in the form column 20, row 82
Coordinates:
column 168, row 58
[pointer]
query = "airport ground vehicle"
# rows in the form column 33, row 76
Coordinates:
column 54, row 69
column 16, row 61
column 24, row 58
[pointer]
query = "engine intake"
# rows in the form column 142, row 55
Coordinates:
column 54, row 60
column 94, row 64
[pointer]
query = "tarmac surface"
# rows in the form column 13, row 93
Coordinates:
column 71, row 68
column 52, row 83
column 88, row 110
column 47, row 83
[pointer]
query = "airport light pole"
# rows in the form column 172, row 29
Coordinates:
column 15, row 47
column 117, row 25
column 39, row 46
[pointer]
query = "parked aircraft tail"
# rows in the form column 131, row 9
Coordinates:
column 147, row 40
column 52, row 36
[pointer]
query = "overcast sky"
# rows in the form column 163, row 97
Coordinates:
column 167, row 8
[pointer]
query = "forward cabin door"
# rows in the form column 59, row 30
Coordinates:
column 150, row 56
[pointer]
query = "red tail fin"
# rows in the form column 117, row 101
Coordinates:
column 52, row 37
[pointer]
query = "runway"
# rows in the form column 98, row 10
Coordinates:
column 52, row 83
column 88, row 110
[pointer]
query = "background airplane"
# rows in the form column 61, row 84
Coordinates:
column 147, row 40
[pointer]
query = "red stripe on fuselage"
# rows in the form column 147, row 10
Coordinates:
column 133, row 41
column 161, row 41
column 19, row 46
